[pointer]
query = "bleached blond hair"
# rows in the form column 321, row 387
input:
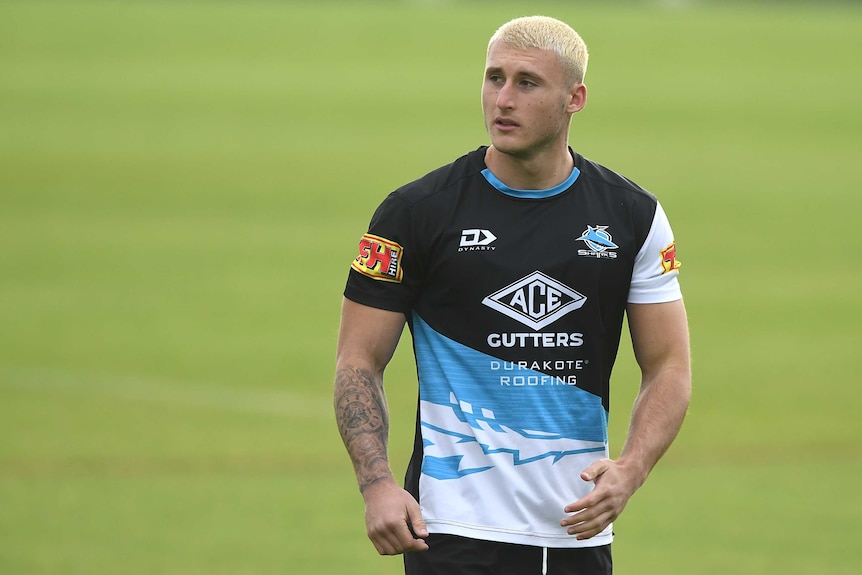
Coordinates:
column 547, row 33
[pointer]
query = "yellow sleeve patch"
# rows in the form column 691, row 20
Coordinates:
column 669, row 262
column 379, row 259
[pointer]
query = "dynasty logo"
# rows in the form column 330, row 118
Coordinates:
column 476, row 240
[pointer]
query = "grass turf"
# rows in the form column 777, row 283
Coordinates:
column 182, row 186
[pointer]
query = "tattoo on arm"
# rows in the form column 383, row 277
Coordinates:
column 363, row 420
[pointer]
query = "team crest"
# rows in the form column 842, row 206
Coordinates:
column 379, row 259
column 669, row 262
column 600, row 242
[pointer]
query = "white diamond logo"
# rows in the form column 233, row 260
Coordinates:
column 536, row 300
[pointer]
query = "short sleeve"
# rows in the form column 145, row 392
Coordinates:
column 655, row 278
column 384, row 273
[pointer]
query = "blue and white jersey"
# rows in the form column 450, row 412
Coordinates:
column 515, row 300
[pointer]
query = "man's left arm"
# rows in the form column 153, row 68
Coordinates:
column 661, row 345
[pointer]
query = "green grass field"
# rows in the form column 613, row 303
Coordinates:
column 182, row 186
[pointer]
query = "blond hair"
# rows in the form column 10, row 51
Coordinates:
column 547, row 34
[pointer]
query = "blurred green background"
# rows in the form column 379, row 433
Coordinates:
column 182, row 187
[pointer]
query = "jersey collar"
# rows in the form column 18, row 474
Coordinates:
column 531, row 194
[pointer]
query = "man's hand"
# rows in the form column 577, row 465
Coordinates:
column 660, row 341
column 615, row 484
column 390, row 514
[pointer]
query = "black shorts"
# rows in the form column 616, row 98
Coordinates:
column 453, row 555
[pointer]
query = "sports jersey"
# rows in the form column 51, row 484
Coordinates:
column 515, row 301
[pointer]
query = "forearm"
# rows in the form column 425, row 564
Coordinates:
column 363, row 421
column 657, row 417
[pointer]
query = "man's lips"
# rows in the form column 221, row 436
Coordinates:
column 505, row 124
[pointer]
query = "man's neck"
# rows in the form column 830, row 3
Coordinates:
column 541, row 172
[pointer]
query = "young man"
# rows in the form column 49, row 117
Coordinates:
column 513, row 267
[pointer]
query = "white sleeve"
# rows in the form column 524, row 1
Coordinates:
column 655, row 278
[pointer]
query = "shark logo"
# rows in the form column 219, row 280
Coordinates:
column 599, row 241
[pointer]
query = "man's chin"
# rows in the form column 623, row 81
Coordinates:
column 509, row 148
column 504, row 143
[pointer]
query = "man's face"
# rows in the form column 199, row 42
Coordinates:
column 526, row 100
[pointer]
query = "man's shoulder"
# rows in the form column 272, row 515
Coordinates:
column 610, row 180
column 443, row 178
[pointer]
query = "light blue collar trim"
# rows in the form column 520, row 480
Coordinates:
column 532, row 194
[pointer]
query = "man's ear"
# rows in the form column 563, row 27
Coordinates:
column 577, row 98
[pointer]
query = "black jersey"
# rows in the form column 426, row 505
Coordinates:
column 515, row 300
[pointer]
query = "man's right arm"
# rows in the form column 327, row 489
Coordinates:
column 366, row 342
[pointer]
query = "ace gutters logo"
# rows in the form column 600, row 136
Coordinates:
column 536, row 300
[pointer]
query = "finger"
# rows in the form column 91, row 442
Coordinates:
column 586, row 508
column 417, row 522
column 591, row 473
column 584, row 504
column 414, row 538
column 589, row 534
column 595, row 470
column 578, row 516
column 403, row 541
column 398, row 539
column 399, row 542
column 384, row 543
column 388, row 538
column 590, row 528
column 578, row 506
column 415, row 546
column 383, row 546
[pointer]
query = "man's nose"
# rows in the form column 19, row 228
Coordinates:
column 505, row 97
